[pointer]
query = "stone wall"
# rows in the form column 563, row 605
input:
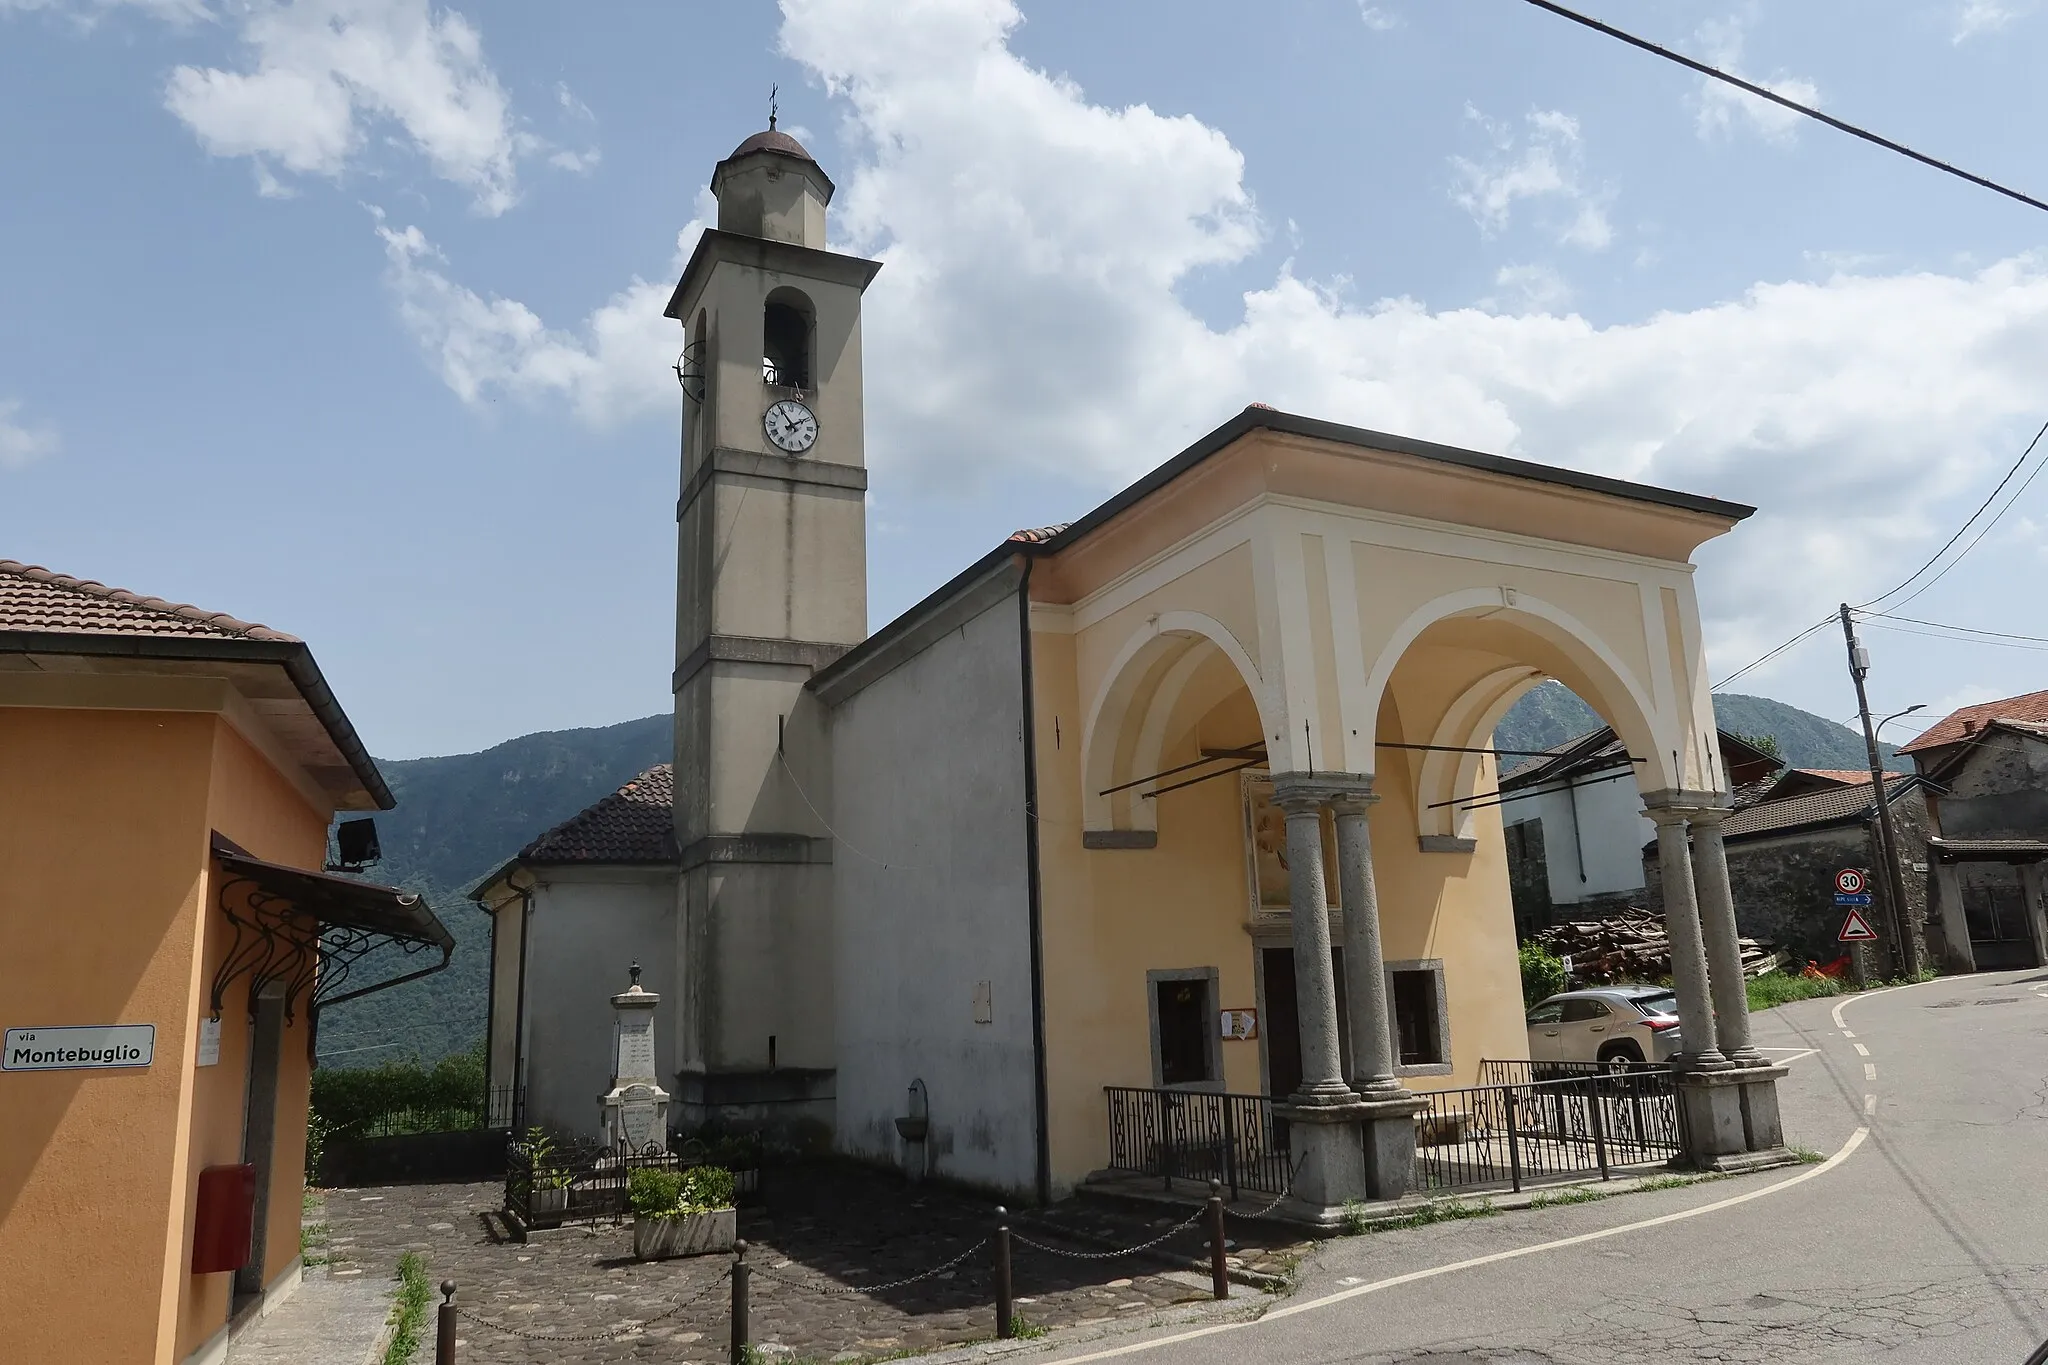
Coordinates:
column 1784, row 884
column 2000, row 791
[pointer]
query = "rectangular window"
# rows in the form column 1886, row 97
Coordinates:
column 1420, row 1026
column 1186, row 1020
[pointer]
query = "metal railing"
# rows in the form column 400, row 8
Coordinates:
column 1516, row 1072
column 1198, row 1135
column 571, row 1183
column 496, row 1108
column 1516, row 1132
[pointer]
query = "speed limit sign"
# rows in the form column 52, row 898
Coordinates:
column 1849, row 881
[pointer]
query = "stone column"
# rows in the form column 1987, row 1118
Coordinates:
column 1315, row 980
column 1957, row 956
column 1724, row 950
column 1365, row 975
column 1682, row 927
column 1390, row 1107
column 1324, row 1115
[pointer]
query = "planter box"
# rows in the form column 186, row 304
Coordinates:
column 548, row 1205
column 696, row 1234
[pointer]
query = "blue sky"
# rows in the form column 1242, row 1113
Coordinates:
column 344, row 317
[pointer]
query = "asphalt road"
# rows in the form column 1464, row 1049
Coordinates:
column 1923, row 1239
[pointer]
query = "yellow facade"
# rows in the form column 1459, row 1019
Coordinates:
column 1323, row 604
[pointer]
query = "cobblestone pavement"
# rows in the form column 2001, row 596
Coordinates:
column 820, row 1228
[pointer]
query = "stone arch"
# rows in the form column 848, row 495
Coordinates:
column 1602, row 680
column 1126, row 728
column 1450, row 777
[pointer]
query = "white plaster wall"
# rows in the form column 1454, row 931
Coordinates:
column 1612, row 832
column 589, row 925
column 931, row 898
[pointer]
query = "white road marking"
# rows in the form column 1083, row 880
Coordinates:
column 1847, row 1150
column 1847, row 1034
column 1841, row 1005
column 1870, row 1071
column 1870, row 1104
column 1861, row 1051
column 1792, row 1054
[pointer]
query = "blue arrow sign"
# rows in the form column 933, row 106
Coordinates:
column 1862, row 898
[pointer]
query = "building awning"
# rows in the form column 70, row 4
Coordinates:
column 309, row 929
column 1988, row 850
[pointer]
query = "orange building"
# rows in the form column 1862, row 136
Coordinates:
column 167, row 779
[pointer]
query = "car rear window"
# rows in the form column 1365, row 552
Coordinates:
column 1664, row 1003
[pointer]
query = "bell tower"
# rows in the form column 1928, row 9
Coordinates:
column 771, row 586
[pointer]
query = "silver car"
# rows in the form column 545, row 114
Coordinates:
column 1615, row 1025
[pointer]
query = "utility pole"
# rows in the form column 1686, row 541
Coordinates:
column 1907, row 950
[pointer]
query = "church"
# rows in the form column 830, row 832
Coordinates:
column 1192, row 797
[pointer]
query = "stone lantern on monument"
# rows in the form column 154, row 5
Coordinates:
column 636, row 1107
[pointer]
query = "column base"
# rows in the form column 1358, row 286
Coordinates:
column 1329, row 1160
column 1729, row 1113
column 1389, row 1142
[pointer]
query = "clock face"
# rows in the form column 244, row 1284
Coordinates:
column 791, row 426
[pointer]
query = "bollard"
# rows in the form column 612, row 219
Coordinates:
column 740, row 1272
column 1219, row 1271
column 1006, row 1303
column 444, row 1329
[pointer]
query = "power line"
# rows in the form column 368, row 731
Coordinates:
column 1945, row 625
column 1775, row 98
column 1965, row 526
column 1769, row 655
column 1961, row 639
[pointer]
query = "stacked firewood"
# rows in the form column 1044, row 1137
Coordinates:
column 1631, row 946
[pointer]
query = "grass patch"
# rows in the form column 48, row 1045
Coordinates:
column 312, row 1245
column 1024, row 1329
column 1807, row 1155
column 410, row 1312
column 1358, row 1220
column 1779, row 988
column 1577, row 1194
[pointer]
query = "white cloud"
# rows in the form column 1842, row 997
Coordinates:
column 1534, row 288
column 321, row 73
column 87, row 11
column 1974, row 17
column 1028, row 321
column 1722, row 107
column 19, row 442
column 1378, row 17
column 1543, row 160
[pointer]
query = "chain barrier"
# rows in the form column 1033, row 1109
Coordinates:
column 636, row 1326
column 1182, row 1226
column 1278, row 1199
column 832, row 1291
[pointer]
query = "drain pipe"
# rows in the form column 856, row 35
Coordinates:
column 1036, row 909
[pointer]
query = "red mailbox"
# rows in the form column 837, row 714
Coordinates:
column 226, row 1220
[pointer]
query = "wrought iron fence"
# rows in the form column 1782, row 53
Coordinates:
column 1198, row 1135
column 1515, row 1072
column 550, row 1182
column 1516, row 1132
column 496, row 1108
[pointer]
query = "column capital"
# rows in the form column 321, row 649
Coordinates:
column 1685, row 804
column 1292, row 791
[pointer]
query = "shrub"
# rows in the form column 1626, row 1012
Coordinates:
column 1778, row 988
column 1543, row 974
column 674, row 1194
column 402, row 1097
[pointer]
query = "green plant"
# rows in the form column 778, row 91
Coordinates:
column 316, row 1146
column 1778, row 988
column 1024, row 1329
column 1357, row 1219
column 1807, row 1156
column 677, row 1194
column 1577, row 1194
column 539, row 1148
column 410, row 1312
column 1543, row 974
column 402, row 1097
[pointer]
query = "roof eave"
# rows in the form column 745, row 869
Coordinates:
column 295, row 657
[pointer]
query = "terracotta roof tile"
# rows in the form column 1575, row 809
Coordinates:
column 1849, row 777
column 1038, row 535
column 1814, row 808
column 635, row 824
column 35, row 600
column 1960, row 724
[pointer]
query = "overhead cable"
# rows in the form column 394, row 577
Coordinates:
column 1765, row 93
column 1771, row 654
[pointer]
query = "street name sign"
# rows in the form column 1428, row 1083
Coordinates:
column 1856, row 929
column 78, row 1048
column 1863, row 899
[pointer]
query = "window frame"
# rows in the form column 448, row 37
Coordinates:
column 1209, row 978
column 1434, row 967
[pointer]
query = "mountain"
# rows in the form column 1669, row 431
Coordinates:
column 1549, row 714
column 458, row 818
